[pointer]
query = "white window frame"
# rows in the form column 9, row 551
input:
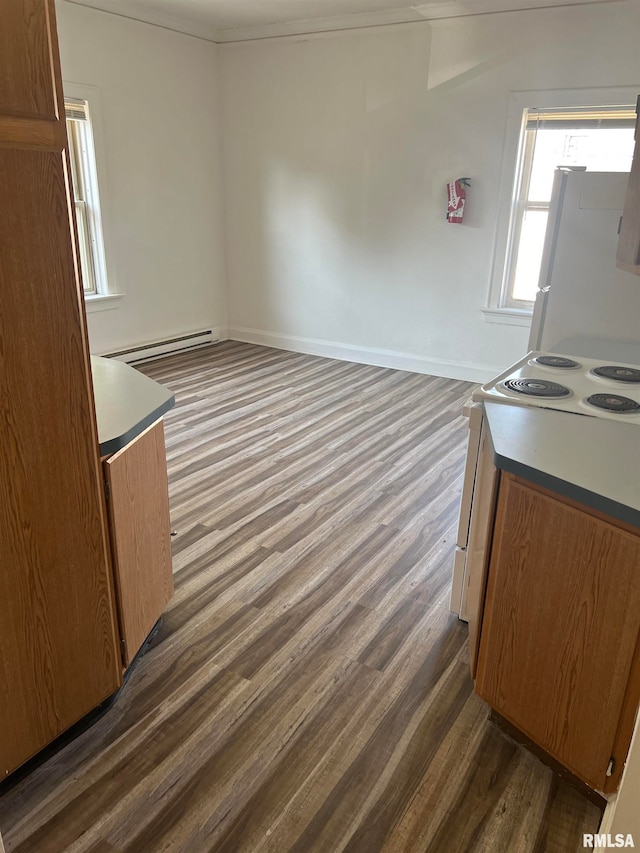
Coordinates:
column 498, row 309
column 105, row 296
column 519, row 206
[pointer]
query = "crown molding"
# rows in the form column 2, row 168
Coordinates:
column 196, row 29
column 358, row 20
column 433, row 10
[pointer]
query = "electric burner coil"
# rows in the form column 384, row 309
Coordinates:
column 537, row 388
column 614, row 403
column 617, row 372
column 558, row 361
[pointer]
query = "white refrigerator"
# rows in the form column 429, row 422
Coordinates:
column 581, row 293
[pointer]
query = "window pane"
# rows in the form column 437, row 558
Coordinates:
column 74, row 134
column 84, row 244
column 525, row 281
column 86, row 197
column 599, row 149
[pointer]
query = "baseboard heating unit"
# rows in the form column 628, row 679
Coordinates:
column 167, row 346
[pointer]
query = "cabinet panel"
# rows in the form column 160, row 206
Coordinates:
column 140, row 534
column 28, row 56
column 58, row 649
column 560, row 628
column 58, row 653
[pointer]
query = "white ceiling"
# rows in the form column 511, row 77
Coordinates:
column 238, row 20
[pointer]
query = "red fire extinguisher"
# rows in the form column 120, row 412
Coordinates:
column 457, row 196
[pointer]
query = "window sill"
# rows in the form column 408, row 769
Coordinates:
column 508, row 316
column 102, row 302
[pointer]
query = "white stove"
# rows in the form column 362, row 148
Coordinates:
column 582, row 386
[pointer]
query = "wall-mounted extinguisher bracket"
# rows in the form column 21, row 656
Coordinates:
column 457, row 196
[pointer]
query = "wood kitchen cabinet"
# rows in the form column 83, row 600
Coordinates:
column 58, row 634
column 64, row 638
column 559, row 654
column 138, row 502
column 628, row 254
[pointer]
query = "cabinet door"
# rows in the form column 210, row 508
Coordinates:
column 560, row 629
column 140, row 535
column 27, row 73
column 58, row 641
column 628, row 254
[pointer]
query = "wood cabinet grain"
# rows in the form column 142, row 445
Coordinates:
column 559, row 646
column 58, row 645
column 140, row 535
column 28, row 60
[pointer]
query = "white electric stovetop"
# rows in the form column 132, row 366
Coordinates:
column 583, row 386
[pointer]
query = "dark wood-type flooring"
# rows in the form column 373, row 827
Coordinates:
column 308, row 689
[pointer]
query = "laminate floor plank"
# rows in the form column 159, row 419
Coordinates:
column 307, row 689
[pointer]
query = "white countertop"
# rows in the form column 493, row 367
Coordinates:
column 127, row 402
column 591, row 460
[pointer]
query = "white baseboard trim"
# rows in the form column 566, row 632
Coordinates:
column 379, row 357
column 168, row 346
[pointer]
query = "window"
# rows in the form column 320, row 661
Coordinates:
column 596, row 138
column 86, row 199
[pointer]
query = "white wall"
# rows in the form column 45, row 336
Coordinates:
column 161, row 193
column 337, row 149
